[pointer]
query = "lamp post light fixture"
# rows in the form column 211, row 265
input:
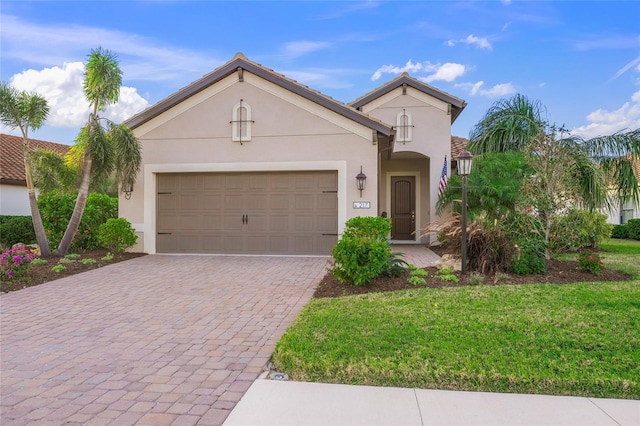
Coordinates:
column 361, row 181
column 465, row 159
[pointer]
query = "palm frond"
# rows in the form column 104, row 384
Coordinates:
column 128, row 155
column 102, row 79
column 101, row 151
column 508, row 125
column 51, row 173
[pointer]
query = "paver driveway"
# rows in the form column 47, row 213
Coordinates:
column 155, row 340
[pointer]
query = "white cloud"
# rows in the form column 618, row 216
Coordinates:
column 446, row 72
column 496, row 91
column 392, row 69
column 603, row 122
column 141, row 58
column 480, row 42
column 62, row 88
column 296, row 49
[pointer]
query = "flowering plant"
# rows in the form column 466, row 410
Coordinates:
column 15, row 262
column 590, row 262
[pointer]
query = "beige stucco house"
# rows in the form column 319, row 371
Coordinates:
column 248, row 161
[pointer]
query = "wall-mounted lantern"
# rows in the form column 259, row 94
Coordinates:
column 361, row 181
column 127, row 191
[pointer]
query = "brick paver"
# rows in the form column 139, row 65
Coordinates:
column 417, row 254
column 154, row 340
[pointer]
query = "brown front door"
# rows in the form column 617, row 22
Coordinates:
column 403, row 207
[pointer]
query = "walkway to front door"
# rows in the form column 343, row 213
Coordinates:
column 155, row 340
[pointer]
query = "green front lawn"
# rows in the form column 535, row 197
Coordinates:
column 577, row 339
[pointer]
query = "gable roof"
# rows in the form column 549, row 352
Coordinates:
column 457, row 104
column 11, row 157
column 240, row 63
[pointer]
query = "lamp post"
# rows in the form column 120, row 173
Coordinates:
column 464, row 168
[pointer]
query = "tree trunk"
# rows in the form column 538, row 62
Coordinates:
column 78, row 210
column 38, row 227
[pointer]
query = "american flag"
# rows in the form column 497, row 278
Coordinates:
column 443, row 178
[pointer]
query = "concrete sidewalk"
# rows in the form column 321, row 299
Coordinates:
column 270, row 402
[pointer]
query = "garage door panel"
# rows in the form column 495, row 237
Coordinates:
column 326, row 243
column 257, row 244
column 257, row 213
column 326, row 223
column 189, row 182
column 327, row 202
column 232, row 222
column 257, row 222
column 168, row 182
column 305, row 201
column 212, row 222
column 279, row 244
column 233, row 243
column 190, row 202
column 234, row 202
column 279, row 202
column 259, row 202
column 303, row 245
column 213, row 182
column 213, row 202
column 303, row 224
column 278, row 223
column 168, row 202
column 189, row 222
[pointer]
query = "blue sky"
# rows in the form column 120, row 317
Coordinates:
column 580, row 59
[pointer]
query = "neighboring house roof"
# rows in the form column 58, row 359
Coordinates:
column 11, row 157
column 457, row 145
column 457, row 104
column 240, row 63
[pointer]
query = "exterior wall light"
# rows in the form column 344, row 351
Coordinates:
column 361, row 181
column 127, row 192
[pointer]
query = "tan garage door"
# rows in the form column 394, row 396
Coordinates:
column 247, row 213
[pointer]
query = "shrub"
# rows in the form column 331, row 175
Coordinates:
column 15, row 262
column 56, row 211
column 620, row 231
column 446, row 274
column 58, row 268
column 363, row 253
column 476, row 279
column 117, row 235
column 634, row 228
column 16, row 229
column 590, row 262
column 395, row 265
column 529, row 262
column 577, row 230
column 489, row 248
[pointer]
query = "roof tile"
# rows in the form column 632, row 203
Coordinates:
column 11, row 157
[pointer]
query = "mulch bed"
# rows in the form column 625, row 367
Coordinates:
column 40, row 274
column 559, row 272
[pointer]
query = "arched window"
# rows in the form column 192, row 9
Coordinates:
column 404, row 127
column 241, row 122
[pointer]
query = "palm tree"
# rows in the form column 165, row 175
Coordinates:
column 25, row 110
column 568, row 169
column 99, row 151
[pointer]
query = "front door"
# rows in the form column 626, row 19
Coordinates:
column 403, row 207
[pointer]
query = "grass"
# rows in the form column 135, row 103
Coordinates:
column 577, row 339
